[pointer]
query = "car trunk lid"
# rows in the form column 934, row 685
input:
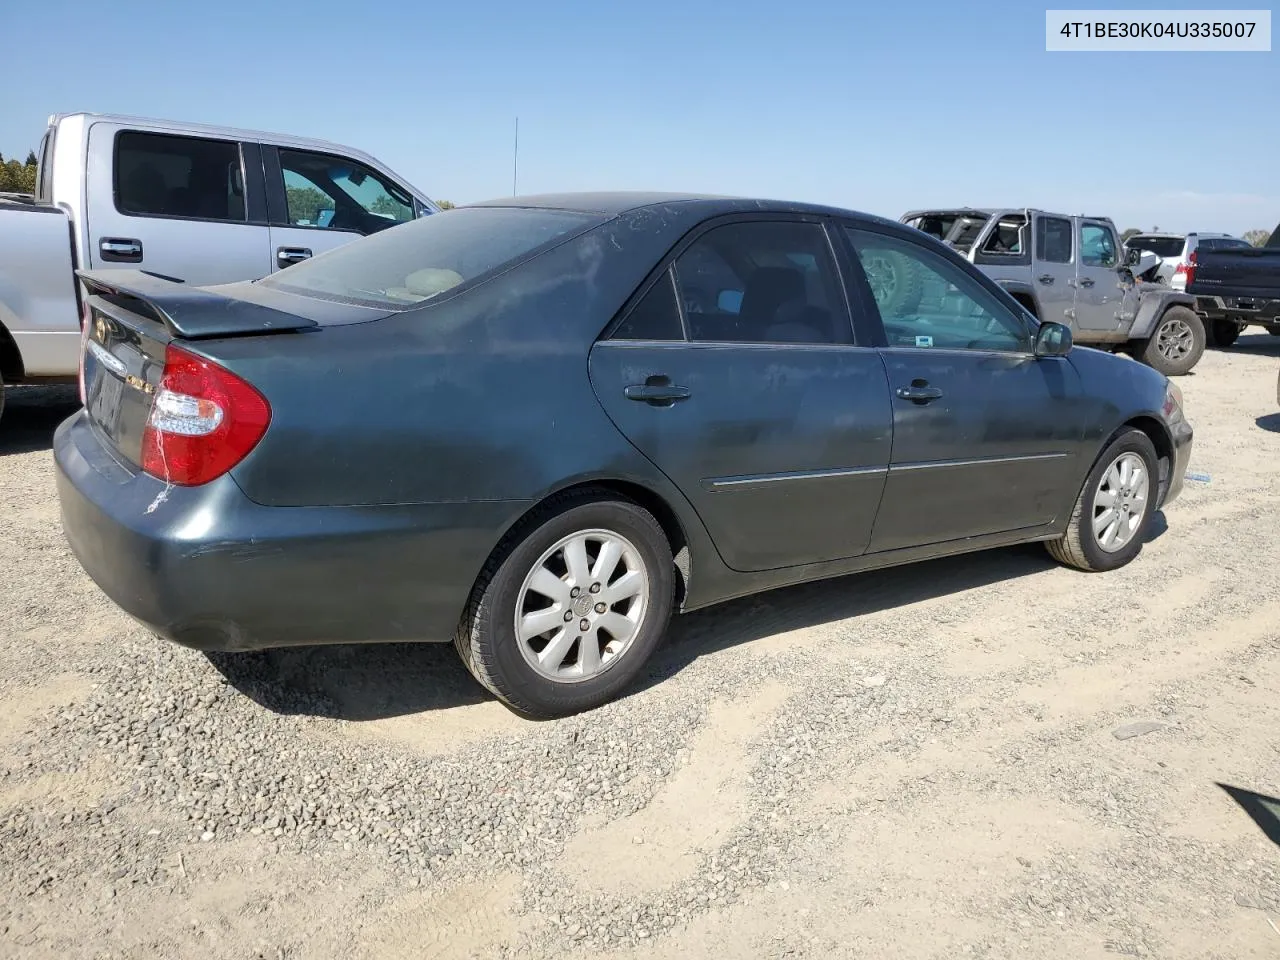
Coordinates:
column 130, row 319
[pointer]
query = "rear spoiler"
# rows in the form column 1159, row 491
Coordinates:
column 192, row 313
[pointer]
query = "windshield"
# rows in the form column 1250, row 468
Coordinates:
column 405, row 265
column 1160, row 246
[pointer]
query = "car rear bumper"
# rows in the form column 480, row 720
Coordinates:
column 1240, row 309
column 210, row 569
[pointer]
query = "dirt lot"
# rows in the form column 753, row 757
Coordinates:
column 919, row 763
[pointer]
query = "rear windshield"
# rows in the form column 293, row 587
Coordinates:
column 408, row 264
column 1223, row 243
column 1160, row 246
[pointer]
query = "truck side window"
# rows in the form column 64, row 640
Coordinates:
column 1053, row 239
column 160, row 175
column 340, row 194
column 1097, row 246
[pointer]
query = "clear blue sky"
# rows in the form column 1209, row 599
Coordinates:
column 879, row 107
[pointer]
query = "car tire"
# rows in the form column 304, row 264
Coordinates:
column 1180, row 326
column 1224, row 333
column 1273, row 329
column 488, row 639
column 1081, row 546
column 2, row 393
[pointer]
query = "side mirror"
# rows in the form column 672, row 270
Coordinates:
column 1053, row 340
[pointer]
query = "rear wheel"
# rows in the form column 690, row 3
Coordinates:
column 1, row 396
column 1273, row 329
column 1177, row 342
column 568, row 611
column 1224, row 332
column 894, row 281
column 1113, row 511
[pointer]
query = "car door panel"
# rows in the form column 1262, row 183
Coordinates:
column 991, row 454
column 984, row 433
column 320, row 201
column 1099, row 288
column 1053, row 268
column 177, row 205
column 781, row 450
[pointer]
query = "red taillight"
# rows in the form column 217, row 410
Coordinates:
column 1190, row 269
column 204, row 420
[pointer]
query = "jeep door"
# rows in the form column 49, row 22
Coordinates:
column 1099, row 291
column 1053, row 272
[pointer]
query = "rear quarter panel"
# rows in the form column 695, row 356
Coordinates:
column 483, row 396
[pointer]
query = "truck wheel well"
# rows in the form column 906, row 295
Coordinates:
column 11, row 369
column 1027, row 301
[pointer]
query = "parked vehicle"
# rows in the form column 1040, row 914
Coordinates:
column 200, row 204
column 1176, row 251
column 1237, row 287
column 1074, row 273
column 534, row 426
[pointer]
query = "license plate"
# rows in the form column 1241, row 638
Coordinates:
column 104, row 405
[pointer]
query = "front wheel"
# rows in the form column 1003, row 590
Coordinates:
column 1177, row 342
column 1114, row 509
column 567, row 612
column 1225, row 333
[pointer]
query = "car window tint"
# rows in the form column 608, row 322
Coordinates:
column 340, row 194
column 655, row 317
column 762, row 282
column 422, row 259
column 1053, row 239
column 167, row 176
column 1163, row 247
column 926, row 301
column 1098, row 246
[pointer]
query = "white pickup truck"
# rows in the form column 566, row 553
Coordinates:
column 188, row 202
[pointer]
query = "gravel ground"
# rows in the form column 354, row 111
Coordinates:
column 988, row 756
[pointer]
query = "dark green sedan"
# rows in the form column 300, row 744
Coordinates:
column 536, row 427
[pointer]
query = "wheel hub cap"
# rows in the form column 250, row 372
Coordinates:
column 1120, row 502
column 582, row 605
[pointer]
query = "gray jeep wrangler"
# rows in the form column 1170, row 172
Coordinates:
column 1072, row 269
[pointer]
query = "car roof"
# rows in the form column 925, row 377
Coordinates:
column 701, row 205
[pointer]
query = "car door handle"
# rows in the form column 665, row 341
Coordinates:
column 1045, row 278
column 120, row 249
column 656, row 393
column 919, row 393
column 285, row 256
column 1086, row 282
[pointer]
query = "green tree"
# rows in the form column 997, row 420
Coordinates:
column 1256, row 237
column 445, row 204
column 1131, row 232
column 305, row 204
column 18, row 177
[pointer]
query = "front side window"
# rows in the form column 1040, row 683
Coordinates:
column 1098, row 246
column 762, row 282
column 1053, row 239
column 165, row 176
column 340, row 194
column 423, row 259
column 926, row 301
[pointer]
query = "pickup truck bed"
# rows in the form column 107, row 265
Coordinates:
column 39, row 328
column 1240, row 286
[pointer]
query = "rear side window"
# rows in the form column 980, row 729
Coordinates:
column 655, row 317
column 164, row 176
column 1053, row 240
column 1163, row 247
column 409, row 264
